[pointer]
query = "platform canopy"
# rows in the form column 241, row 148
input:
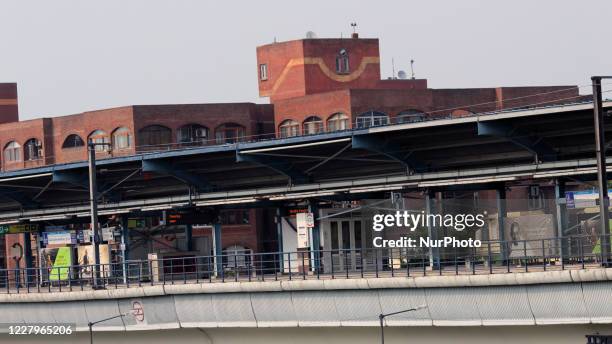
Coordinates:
column 549, row 142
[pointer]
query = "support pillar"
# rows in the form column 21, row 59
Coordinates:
column 315, row 243
column 125, row 246
column 501, row 216
column 27, row 255
column 217, row 249
column 432, row 232
column 189, row 237
column 602, row 178
column 279, row 236
column 562, row 220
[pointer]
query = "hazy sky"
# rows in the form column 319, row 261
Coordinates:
column 72, row 56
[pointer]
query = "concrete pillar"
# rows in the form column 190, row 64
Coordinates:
column 432, row 232
column 501, row 215
column 217, row 249
column 562, row 221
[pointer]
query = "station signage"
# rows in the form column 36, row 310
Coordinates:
column 18, row 228
column 304, row 222
column 59, row 238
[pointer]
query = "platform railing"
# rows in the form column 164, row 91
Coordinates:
column 492, row 257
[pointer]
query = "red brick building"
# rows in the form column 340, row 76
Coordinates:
column 314, row 85
column 333, row 84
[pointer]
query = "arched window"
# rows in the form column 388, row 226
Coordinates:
column 372, row 119
column 337, row 121
column 12, row 152
column 289, row 128
column 154, row 135
column 122, row 138
column 229, row 133
column 411, row 116
column 312, row 125
column 101, row 138
column 73, row 141
column 32, row 150
column 193, row 134
column 342, row 62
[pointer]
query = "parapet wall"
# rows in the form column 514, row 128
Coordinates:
column 576, row 297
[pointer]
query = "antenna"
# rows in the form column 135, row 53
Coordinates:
column 354, row 26
column 393, row 67
column 412, row 68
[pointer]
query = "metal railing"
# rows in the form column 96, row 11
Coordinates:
column 492, row 257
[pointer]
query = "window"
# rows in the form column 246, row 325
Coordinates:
column 229, row 133
column 342, row 62
column 234, row 217
column 12, row 152
column 193, row 134
column 32, row 150
column 154, row 135
column 99, row 137
column 73, row 141
column 411, row 116
column 289, row 128
column 338, row 121
column 263, row 72
column 122, row 138
column 313, row 125
column 372, row 119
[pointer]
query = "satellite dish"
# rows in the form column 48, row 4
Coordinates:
column 311, row 35
column 402, row 75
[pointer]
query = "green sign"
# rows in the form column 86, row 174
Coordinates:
column 61, row 265
column 18, row 228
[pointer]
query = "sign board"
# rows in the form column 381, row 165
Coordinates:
column 61, row 264
column 84, row 236
column 584, row 199
column 108, row 233
column 59, row 238
column 302, row 230
column 569, row 200
column 18, row 228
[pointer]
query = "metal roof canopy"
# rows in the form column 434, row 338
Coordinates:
column 537, row 143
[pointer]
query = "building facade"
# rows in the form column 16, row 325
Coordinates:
column 335, row 84
column 314, row 85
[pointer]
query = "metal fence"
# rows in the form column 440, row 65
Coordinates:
column 492, row 257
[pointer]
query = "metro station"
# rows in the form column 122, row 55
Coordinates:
column 289, row 189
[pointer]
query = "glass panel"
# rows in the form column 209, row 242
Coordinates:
column 346, row 235
column 357, row 227
column 334, row 235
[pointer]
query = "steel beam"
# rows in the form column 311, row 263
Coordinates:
column 534, row 145
column 562, row 220
column 166, row 168
column 18, row 197
column 71, row 177
column 279, row 165
column 388, row 149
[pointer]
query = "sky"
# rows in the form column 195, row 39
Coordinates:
column 70, row 56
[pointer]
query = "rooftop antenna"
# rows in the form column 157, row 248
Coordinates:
column 393, row 67
column 354, row 26
column 412, row 68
